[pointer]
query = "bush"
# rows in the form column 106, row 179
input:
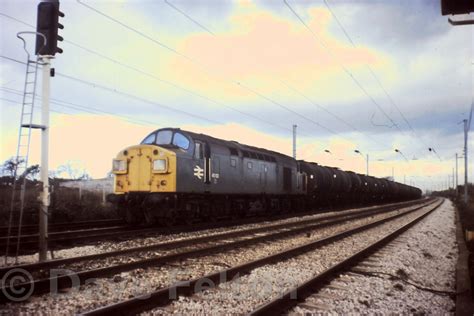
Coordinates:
column 65, row 204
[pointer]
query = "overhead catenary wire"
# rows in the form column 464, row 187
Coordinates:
column 189, row 17
column 175, row 85
column 297, row 91
column 103, row 56
column 167, row 82
column 84, row 108
column 141, row 33
column 377, row 79
column 134, row 30
column 19, row 102
column 194, row 61
column 292, row 111
column 348, row 73
column 271, row 100
column 131, row 96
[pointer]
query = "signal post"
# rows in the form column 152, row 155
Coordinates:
column 48, row 25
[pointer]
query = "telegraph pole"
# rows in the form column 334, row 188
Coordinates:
column 456, row 187
column 466, row 130
column 294, row 141
column 367, row 164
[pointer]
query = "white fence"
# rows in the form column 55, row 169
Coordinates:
column 100, row 186
column 97, row 185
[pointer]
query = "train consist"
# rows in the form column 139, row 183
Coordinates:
column 180, row 176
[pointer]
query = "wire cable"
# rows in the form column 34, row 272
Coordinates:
column 189, row 17
column 131, row 96
column 354, row 79
column 83, row 108
column 331, row 113
column 174, row 85
column 289, row 87
column 389, row 97
column 203, row 67
column 19, row 102
column 270, row 100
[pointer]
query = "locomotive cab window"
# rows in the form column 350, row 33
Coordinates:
column 198, row 150
column 181, row 141
column 164, row 137
column 249, row 165
column 233, row 162
column 150, row 139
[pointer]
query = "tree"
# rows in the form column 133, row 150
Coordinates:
column 9, row 167
column 72, row 170
column 31, row 172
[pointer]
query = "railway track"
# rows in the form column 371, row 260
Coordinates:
column 167, row 295
column 62, row 239
column 287, row 300
column 65, row 226
column 56, row 240
column 201, row 246
column 276, row 230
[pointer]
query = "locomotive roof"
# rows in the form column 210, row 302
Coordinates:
column 228, row 144
column 243, row 147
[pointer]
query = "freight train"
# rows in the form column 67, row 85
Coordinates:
column 176, row 176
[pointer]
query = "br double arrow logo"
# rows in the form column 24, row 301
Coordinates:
column 198, row 172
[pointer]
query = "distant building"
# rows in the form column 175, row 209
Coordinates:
column 93, row 185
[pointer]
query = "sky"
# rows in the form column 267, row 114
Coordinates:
column 372, row 76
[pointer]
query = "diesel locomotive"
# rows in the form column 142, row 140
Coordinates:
column 180, row 176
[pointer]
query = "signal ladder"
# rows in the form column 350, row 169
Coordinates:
column 23, row 148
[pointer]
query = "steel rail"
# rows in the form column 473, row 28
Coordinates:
column 292, row 297
column 56, row 239
column 64, row 226
column 165, row 296
column 41, row 286
column 31, row 267
column 29, row 246
column 321, row 222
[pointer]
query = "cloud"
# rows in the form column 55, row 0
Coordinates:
column 423, row 62
column 90, row 140
column 261, row 47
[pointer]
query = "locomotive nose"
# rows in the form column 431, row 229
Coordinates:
column 145, row 168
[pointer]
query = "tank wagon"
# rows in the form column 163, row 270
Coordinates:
column 176, row 175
